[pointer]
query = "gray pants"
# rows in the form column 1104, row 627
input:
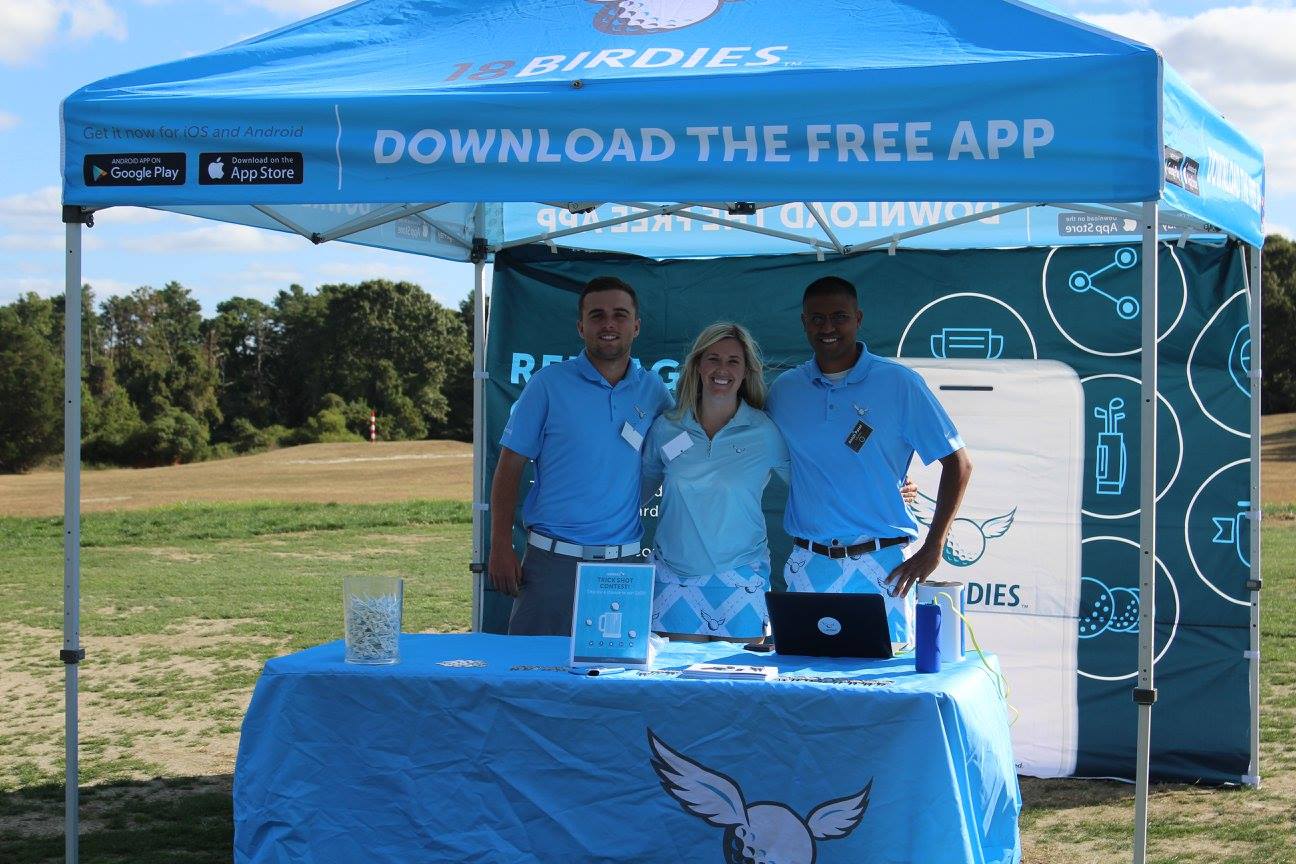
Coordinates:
column 544, row 605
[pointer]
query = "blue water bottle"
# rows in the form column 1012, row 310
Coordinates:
column 927, row 656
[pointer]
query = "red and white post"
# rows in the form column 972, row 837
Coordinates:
column 373, row 426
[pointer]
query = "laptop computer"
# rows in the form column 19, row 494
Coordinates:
column 829, row 625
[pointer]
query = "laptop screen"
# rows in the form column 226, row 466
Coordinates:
column 829, row 625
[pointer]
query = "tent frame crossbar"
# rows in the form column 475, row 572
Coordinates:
column 832, row 243
column 283, row 220
column 813, row 207
column 895, row 239
column 372, row 220
column 549, row 236
column 447, row 231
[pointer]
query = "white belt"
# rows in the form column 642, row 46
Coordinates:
column 588, row 553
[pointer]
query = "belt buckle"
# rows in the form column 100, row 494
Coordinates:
column 836, row 551
column 598, row 553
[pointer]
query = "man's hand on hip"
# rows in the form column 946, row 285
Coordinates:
column 505, row 571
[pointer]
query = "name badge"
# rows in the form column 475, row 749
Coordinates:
column 855, row 440
column 676, row 446
column 632, row 436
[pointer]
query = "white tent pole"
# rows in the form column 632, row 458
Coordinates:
column 1145, row 692
column 1257, row 305
column 479, row 515
column 72, row 653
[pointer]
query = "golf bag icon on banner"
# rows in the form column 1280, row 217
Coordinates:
column 1110, row 458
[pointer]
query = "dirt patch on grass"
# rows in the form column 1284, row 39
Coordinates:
column 1278, row 458
column 151, row 704
column 351, row 473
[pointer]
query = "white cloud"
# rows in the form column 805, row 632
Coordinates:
column 8, row 121
column 12, row 287
column 24, row 209
column 105, row 287
column 114, row 216
column 214, row 238
column 1241, row 60
column 51, row 240
column 374, row 267
column 90, row 18
column 32, row 25
column 42, row 208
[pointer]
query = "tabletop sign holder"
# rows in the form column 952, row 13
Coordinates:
column 611, row 617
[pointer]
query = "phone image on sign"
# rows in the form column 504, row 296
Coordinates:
column 1016, row 541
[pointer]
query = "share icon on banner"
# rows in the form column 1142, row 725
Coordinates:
column 1127, row 306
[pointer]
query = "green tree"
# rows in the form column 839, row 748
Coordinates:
column 459, row 385
column 173, row 436
column 155, row 344
column 385, row 344
column 1278, row 390
column 31, row 384
column 241, row 336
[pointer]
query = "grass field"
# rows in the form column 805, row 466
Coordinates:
column 183, row 603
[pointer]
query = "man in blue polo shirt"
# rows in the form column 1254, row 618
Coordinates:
column 852, row 422
column 583, row 423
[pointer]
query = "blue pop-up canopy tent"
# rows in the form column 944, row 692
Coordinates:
column 459, row 129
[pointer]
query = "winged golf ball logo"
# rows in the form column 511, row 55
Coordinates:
column 645, row 17
column 765, row 832
column 967, row 537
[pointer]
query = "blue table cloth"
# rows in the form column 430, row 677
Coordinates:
column 483, row 748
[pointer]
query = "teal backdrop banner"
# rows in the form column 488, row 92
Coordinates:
column 1047, row 539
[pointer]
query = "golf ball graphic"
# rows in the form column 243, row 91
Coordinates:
column 966, row 543
column 1096, row 607
column 640, row 17
column 1126, row 617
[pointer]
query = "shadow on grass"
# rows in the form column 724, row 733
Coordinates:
column 179, row 819
column 1063, row 794
column 1280, row 445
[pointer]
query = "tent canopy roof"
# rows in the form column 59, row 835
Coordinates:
column 422, row 102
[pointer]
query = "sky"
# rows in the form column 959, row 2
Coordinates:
column 1240, row 57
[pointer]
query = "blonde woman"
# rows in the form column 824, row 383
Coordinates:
column 713, row 454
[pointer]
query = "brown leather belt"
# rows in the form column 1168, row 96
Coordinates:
column 846, row 551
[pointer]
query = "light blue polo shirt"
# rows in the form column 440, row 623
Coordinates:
column 568, row 420
column 836, row 492
column 711, row 517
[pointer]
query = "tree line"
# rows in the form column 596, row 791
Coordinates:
column 161, row 384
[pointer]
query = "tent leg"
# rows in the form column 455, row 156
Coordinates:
column 479, row 514
column 1145, row 692
column 72, row 652
column 1257, row 305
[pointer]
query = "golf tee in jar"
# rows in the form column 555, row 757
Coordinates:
column 372, row 609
